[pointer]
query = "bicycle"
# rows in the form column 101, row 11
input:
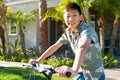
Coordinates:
column 47, row 71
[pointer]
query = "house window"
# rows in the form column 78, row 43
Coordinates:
column 12, row 29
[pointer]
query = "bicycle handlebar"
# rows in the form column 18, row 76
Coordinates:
column 46, row 71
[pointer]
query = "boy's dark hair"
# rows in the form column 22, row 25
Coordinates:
column 73, row 5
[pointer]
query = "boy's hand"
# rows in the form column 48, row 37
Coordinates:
column 31, row 61
column 62, row 71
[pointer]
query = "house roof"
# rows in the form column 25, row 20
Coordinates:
column 28, row 5
column 50, row 3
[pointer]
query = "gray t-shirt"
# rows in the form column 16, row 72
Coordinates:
column 92, row 66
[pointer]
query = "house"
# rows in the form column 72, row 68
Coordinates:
column 31, row 29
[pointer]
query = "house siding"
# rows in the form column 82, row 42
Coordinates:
column 31, row 29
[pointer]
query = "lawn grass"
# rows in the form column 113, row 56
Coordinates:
column 20, row 73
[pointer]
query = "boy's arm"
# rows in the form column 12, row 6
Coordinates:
column 49, row 51
column 79, row 58
column 80, row 55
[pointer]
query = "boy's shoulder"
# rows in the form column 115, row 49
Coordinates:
column 68, row 30
column 84, row 26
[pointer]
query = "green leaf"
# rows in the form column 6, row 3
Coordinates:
column 1, row 2
column 16, row 42
column 115, row 8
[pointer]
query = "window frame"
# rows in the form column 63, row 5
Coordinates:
column 10, row 25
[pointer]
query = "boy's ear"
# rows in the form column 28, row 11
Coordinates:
column 82, row 18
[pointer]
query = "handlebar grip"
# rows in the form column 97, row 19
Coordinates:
column 68, row 74
column 34, row 64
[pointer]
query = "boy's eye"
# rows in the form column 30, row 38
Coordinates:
column 74, row 15
column 68, row 16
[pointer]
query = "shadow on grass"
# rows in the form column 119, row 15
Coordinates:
column 17, row 73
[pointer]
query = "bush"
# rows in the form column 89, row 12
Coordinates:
column 17, row 55
column 109, row 59
column 58, row 61
column 6, row 57
column 15, row 58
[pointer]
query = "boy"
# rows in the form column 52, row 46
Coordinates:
column 84, row 43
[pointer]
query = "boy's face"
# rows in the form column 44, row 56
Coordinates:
column 72, row 18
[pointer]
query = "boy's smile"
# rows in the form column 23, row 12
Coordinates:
column 72, row 18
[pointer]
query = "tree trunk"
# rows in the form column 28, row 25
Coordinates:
column 3, row 9
column 114, row 33
column 22, row 39
column 43, row 26
column 87, row 15
column 2, row 36
column 101, row 31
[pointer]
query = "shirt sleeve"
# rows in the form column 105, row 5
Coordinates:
column 63, row 39
column 90, row 33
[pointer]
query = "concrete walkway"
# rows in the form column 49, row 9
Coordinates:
column 112, row 73
column 11, row 64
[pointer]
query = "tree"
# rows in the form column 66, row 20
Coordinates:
column 21, row 19
column 86, row 4
column 43, row 26
column 99, row 6
column 57, row 12
column 2, row 37
column 115, row 8
column 1, row 2
column 3, row 32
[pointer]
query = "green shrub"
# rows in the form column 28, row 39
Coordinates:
column 6, row 57
column 16, row 47
column 16, row 58
column 24, row 60
column 31, row 52
column 55, row 61
column 44, row 62
column 69, row 62
column 109, row 59
column 58, row 61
